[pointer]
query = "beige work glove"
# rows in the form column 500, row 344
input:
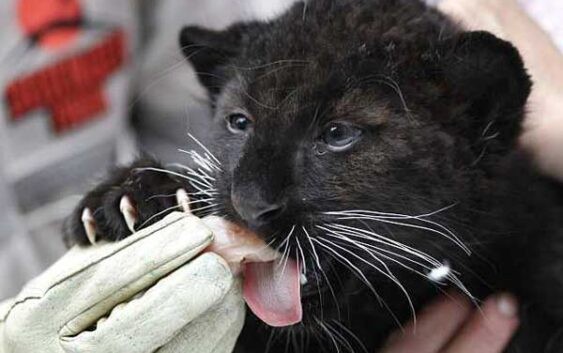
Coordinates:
column 146, row 293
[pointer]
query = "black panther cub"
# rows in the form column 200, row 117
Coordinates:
column 377, row 142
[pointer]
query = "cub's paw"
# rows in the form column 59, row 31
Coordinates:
column 132, row 198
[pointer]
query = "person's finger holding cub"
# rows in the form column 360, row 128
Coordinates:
column 452, row 324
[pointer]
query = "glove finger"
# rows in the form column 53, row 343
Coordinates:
column 215, row 332
column 150, row 321
column 127, row 268
column 226, row 344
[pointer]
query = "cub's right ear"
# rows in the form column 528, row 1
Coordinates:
column 209, row 51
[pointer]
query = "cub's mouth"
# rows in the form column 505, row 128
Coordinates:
column 271, row 283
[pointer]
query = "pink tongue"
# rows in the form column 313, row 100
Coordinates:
column 272, row 293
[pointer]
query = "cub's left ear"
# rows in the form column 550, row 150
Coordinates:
column 487, row 78
column 209, row 51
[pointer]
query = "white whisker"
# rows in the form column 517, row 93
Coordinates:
column 340, row 338
column 204, row 148
column 157, row 215
column 286, row 251
column 379, row 249
column 329, row 334
column 179, row 175
column 396, row 244
column 199, row 209
column 358, row 273
column 351, row 334
column 318, row 262
column 446, row 233
column 389, row 275
column 372, row 236
column 349, row 264
column 302, row 256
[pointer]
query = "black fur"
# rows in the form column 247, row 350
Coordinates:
column 151, row 192
column 441, row 110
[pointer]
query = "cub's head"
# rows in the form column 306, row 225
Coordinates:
column 349, row 132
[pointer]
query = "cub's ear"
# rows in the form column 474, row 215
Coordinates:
column 489, row 84
column 209, row 51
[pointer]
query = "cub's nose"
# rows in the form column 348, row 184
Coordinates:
column 255, row 210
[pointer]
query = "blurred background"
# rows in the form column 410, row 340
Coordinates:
column 87, row 84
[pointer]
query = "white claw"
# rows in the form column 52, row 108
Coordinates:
column 89, row 225
column 183, row 200
column 129, row 212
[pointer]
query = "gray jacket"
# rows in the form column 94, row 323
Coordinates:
column 67, row 96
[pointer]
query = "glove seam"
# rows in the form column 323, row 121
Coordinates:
column 14, row 304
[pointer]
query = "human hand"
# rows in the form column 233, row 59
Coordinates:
column 146, row 293
column 543, row 135
column 450, row 325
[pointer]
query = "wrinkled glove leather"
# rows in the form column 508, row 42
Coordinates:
column 152, row 291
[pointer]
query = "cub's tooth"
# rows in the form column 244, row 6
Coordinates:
column 183, row 200
column 303, row 279
column 129, row 212
column 89, row 225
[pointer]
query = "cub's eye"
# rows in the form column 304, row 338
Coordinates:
column 239, row 123
column 341, row 136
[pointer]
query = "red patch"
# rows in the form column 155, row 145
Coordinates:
column 36, row 16
column 72, row 89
